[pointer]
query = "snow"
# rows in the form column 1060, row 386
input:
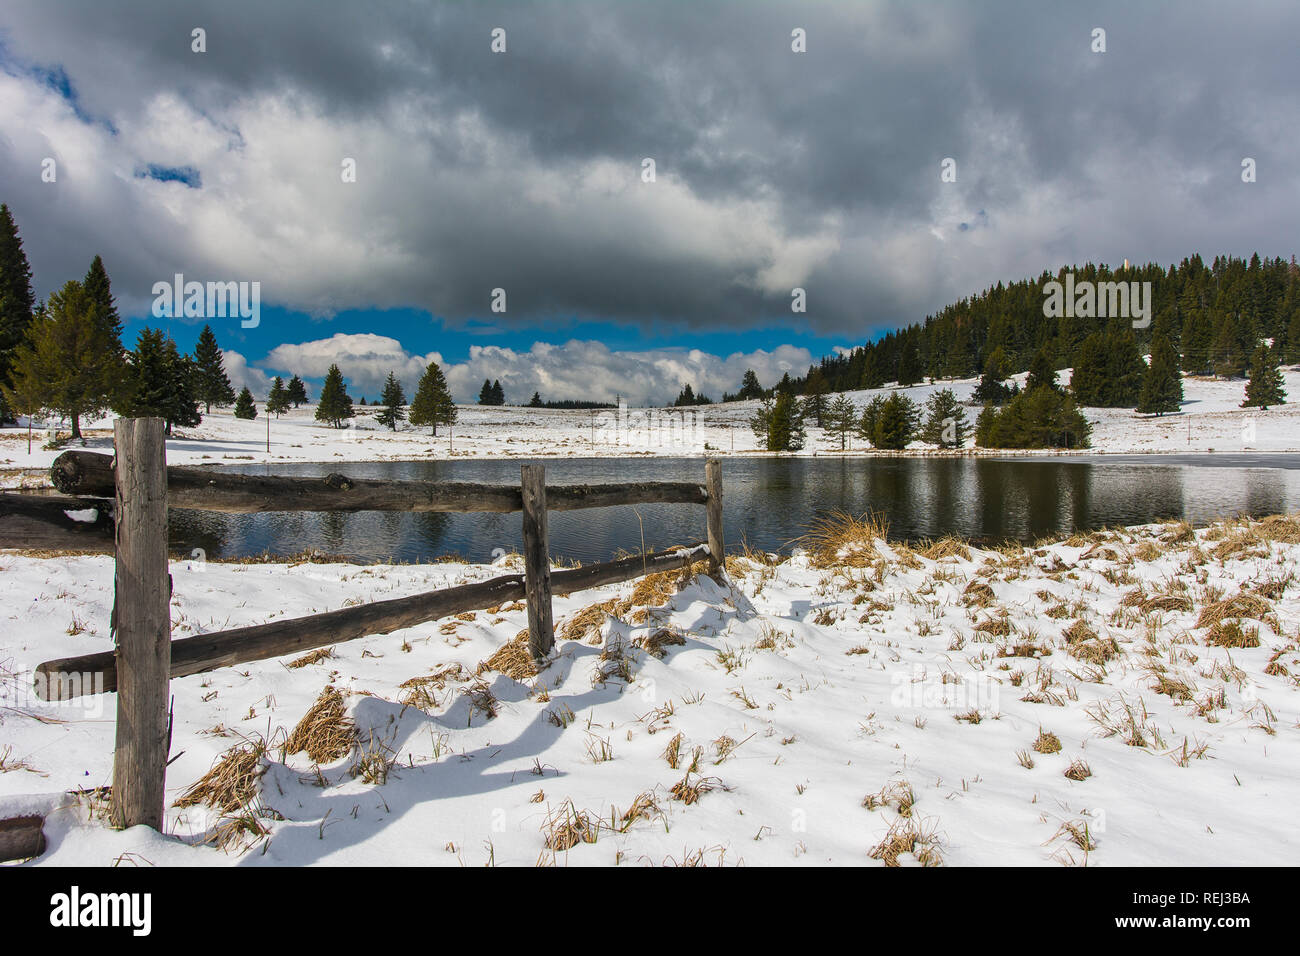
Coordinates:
column 1210, row 420
column 834, row 683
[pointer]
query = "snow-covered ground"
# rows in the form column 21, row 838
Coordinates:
column 826, row 702
column 1211, row 419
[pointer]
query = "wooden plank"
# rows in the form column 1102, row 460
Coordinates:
column 142, row 623
column 76, row 676
column 713, row 483
column 202, row 489
column 21, row 837
column 537, row 561
column 42, row 522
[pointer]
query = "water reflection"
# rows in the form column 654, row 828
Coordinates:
column 768, row 503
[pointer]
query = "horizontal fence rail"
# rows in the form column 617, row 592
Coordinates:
column 97, row 673
column 202, row 489
column 43, row 522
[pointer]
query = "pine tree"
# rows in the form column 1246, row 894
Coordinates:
column 778, row 425
column 895, row 422
column 160, row 382
column 334, row 406
column 841, row 419
column 1042, row 372
column 244, row 407
column 1089, row 381
column 100, row 290
column 749, row 387
column 67, row 358
column 393, row 400
column 498, row 393
column 1162, row 386
column 685, row 397
column 1040, row 417
column 909, row 365
column 16, row 300
column 485, row 393
column 1265, row 386
column 433, row 405
column 212, row 385
column 277, row 402
column 997, row 369
column 946, row 424
column 297, row 391
column 816, row 404
column 869, row 418
column 536, row 400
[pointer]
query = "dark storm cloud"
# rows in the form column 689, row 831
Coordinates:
column 775, row 169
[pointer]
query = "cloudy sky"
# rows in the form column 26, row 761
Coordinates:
column 522, row 170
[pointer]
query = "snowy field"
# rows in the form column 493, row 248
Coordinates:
column 1115, row 699
column 1211, row 419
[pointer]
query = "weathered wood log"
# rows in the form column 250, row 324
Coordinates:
column 21, row 837
column 94, row 673
column 141, row 623
column 42, row 521
column 713, row 483
column 203, row 489
column 537, row 561
column 572, row 580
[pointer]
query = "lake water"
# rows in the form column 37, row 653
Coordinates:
column 769, row 502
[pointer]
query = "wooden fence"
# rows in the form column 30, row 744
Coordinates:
column 119, row 505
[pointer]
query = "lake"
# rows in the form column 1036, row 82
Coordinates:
column 769, row 502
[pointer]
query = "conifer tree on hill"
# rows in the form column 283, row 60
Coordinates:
column 277, row 401
column 392, row 400
column 68, row 358
column 244, row 406
column 334, row 406
column 16, row 300
column 1265, row 387
column 297, row 391
column 1162, row 386
column 160, row 382
column 100, row 290
column 485, row 393
column 433, row 405
column 498, row 393
column 212, row 384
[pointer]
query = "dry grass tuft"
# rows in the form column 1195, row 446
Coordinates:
column 907, row 836
column 978, row 594
column 947, row 547
column 1232, row 634
column 843, row 540
column 898, row 796
column 514, row 659
column 231, row 784
column 325, row 732
column 655, row 642
column 1243, row 605
column 568, row 826
column 1078, row 770
column 312, row 657
column 688, row 792
column 587, row 623
column 1047, row 743
column 1165, row 602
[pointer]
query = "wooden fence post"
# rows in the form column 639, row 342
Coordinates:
column 713, row 484
column 537, row 561
column 141, row 623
